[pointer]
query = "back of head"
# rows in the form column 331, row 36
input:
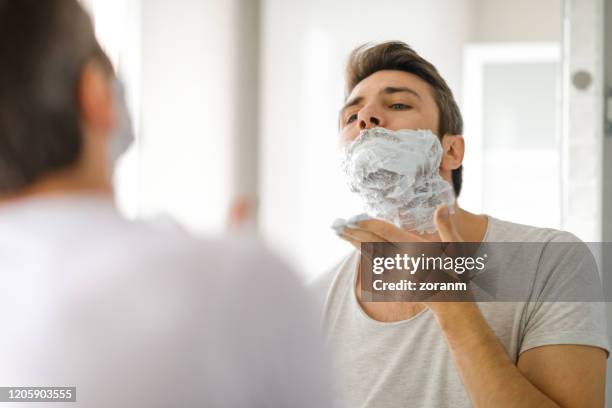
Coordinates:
column 44, row 45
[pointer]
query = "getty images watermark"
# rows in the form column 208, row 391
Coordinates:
column 486, row 271
column 37, row 394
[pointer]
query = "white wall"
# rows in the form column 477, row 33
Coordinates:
column 187, row 115
column 304, row 48
column 191, row 69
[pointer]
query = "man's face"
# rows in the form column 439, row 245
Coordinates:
column 390, row 99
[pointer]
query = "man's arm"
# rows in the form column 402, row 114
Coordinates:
column 573, row 375
column 548, row 376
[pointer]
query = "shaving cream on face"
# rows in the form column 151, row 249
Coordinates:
column 396, row 173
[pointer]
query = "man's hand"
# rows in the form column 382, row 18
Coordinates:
column 375, row 230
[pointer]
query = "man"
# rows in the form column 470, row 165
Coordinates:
column 450, row 354
column 128, row 316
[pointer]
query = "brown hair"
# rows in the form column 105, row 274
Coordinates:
column 44, row 47
column 396, row 55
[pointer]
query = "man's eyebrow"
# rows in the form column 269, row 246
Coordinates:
column 388, row 90
column 392, row 89
column 351, row 102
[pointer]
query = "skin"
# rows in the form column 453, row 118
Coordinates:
column 547, row 376
column 91, row 172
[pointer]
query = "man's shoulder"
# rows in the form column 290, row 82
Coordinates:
column 506, row 231
column 142, row 247
column 168, row 238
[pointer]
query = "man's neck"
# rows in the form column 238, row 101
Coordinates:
column 471, row 227
column 62, row 183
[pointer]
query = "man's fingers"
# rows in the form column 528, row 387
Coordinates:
column 389, row 232
column 445, row 225
column 360, row 235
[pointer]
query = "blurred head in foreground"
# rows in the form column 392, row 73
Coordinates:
column 58, row 109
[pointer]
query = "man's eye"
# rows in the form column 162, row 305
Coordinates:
column 398, row 106
column 351, row 118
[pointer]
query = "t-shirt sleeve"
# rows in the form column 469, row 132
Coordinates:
column 567, row 304
column 319, row 287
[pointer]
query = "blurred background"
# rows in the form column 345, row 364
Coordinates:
column 235, row 106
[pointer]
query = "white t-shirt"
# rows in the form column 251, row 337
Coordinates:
column 408, row 363
column 134, row 317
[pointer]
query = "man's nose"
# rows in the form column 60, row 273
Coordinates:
column 368, row 119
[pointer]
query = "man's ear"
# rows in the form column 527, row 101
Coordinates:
column 453, row 150
column 95, row 100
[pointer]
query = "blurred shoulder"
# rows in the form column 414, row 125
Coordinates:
column 170, row 252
